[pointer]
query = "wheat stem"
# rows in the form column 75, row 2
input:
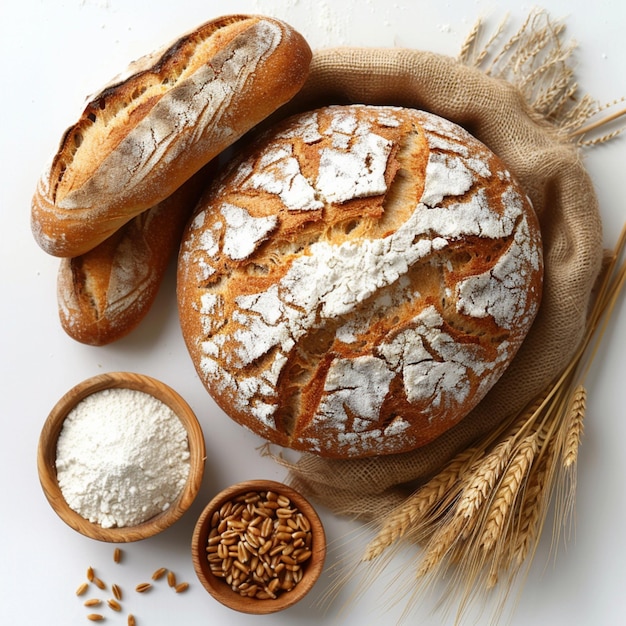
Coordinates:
column 599, row 123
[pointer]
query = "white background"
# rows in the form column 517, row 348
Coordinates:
column 55, row 54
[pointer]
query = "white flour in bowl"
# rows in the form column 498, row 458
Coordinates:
column 122, row 457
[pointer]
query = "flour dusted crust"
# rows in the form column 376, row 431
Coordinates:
column 143, row 136
column 356, row 282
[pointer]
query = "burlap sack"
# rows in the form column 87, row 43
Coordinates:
column 521, row 107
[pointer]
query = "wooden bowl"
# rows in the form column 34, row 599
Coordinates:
column 46, row 456
column 218, row 587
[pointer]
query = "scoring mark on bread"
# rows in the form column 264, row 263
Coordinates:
column 196, row 91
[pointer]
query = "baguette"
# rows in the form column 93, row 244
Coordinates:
column 143, row 136
column 104, row 294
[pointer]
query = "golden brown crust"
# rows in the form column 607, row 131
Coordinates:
column 140, row 138
column 355, row 282
column 105, row 293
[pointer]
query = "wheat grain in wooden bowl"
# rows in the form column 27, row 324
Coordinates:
column 47, row 456
column 258, row 547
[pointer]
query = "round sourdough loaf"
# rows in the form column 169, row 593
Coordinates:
column 356, row 281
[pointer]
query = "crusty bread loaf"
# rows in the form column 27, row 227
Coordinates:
column 142, row 137
column 355, row 283
column 104, row 294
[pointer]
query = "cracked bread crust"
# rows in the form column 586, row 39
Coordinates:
column 144, row 135
column 355, row 282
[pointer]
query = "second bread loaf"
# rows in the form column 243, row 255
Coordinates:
column 104, row 294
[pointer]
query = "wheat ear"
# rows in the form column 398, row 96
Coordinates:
column 441, row 544
column 574, row 427
column 484, row 478
column 508, row 489
column 532, row 510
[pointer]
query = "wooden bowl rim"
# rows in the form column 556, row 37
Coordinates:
column 46, row 455
column 219, row 589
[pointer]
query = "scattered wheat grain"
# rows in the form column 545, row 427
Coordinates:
column 159, row 573
column 99, row 583
column 143, row 587
column 117, row 592
column 82, row 588
column 171, row 579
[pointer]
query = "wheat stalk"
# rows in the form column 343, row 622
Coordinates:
column 486, row 509
column 469, row 43
column 488, row 470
